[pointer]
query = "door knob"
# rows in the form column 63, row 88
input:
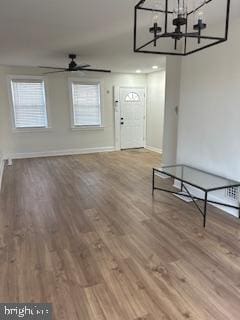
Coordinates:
column 122, row 122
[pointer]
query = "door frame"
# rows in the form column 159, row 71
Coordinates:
column 117, row 109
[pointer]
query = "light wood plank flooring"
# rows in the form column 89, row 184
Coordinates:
column 84, row 233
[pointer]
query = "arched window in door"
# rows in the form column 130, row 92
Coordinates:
column 132, row 97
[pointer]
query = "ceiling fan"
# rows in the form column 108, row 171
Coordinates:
column 73, row 66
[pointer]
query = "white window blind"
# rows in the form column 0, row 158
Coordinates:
column 86, row 104
column 29, row 103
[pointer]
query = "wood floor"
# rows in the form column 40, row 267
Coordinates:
column 83, row 233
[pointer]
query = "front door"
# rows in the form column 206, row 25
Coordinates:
column 132, row 106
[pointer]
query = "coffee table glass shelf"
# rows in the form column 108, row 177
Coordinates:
column 191, row 180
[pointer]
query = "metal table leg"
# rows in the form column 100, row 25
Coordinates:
column 182, row 179
column 153, row 181
column 205, row 209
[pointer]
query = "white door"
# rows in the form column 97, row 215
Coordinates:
column 132, row 113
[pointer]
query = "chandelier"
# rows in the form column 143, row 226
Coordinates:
column 180, row 27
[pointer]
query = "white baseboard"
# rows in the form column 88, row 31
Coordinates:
column 1, row 171
column 154, row 149
column 65, row 152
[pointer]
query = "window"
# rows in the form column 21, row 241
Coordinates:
column 29, row 103
column 86, row 104
column 132, row 97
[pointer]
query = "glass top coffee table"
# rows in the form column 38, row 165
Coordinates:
column 188, row 179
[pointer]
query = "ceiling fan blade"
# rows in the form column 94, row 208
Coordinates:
column 96, row 70
column 50, row 72
column 81, row 66
column 54, row 68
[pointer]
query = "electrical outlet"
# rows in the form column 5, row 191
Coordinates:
column 233, row 193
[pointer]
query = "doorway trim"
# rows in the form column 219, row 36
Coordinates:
column 117, row 114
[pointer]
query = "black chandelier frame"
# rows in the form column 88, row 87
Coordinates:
column 142, row 48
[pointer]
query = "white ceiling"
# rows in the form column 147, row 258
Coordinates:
column 43, row 32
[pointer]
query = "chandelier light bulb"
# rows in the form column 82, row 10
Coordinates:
column 156, row 18
column 200, row 15
column 156, row 15
column 199, row 23
column 180, row 9
column 155, row 28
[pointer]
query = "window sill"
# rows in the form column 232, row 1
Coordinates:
column 30, row 130
column 87, row 128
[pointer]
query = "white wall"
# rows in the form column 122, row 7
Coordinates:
column 209, row 119
column 61, row 137
column 173, row 65
column 155, row 109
